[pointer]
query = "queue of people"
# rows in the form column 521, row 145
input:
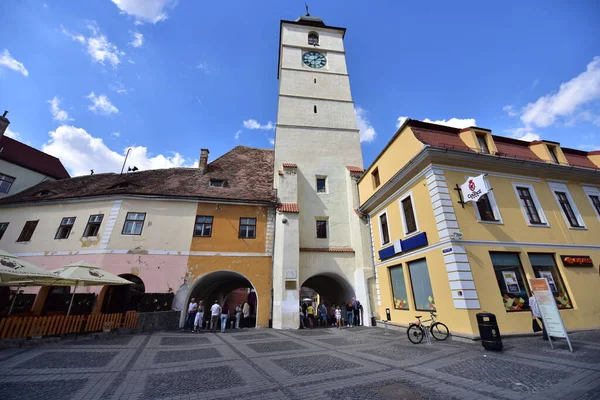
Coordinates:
column 335, row 315
column 220, row 317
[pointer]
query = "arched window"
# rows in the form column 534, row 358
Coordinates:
column 313, row 38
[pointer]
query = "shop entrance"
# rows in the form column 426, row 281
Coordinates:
column 122, row 298
column 226, row 287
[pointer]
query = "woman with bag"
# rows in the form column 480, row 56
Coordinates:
column 536, row 313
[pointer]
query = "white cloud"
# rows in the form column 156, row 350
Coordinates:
column 137, row 39
column 203, row 67
column 120, row 88
column 510, row 110
column 366, row 131
column 254, row 124
column 98, row 47
column 57, row 113
column 571, row 95
column 272, row 141
column 101, row 104
column 145, row 10
column 237, row 135
column 8, row 61
column 115, row 134
column 524, row 134
column 79, row 152
column 400, row 121
column 12, row 134
column 454, row 122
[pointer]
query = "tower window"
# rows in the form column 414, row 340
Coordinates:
column 313, row 38
column 315, row 108
column 315, row 80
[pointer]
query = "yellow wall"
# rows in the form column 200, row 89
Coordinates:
column 225, row 229
column 256, row 269
column 401, row 149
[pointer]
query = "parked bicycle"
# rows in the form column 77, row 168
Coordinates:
column 416, row 331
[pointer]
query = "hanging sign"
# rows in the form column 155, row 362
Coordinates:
column 547, row 305
column 577, row 261
column 474, row 188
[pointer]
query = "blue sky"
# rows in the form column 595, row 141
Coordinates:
column 86, row 80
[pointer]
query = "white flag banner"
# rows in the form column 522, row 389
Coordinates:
column 474, row 188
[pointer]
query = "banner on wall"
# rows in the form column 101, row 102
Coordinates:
column 474, row 188
column 510, row 280
column 555, row 326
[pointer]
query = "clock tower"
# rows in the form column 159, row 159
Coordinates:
column 321, row 242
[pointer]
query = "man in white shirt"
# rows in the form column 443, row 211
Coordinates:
column 191, row 315
column 215, row 313
column 535, row 311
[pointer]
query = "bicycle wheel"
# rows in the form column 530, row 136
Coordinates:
column 439, row 331
column 415, row 333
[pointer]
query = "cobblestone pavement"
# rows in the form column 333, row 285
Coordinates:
column 356, row 363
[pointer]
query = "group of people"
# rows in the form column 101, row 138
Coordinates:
column 326, row 315
column 238, row 318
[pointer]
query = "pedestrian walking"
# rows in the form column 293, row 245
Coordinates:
column 215, row 312
column 191, row 315
column 310, row 315
column 238, row 316
column 199, row 317
column 323, row 314
column 349, row 314
column 224, row 317
column 338, row 317
column 332, row 318
column 355, row 310
column 536, row 313
column 246, row 315
column 301, row 318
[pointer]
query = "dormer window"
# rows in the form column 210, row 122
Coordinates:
column 375, row 177
column 217, row 183
column 552, row 151
column 44, row 193
column 483, row 147
column 313, row 38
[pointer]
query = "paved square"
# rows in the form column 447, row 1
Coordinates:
column 355, row 363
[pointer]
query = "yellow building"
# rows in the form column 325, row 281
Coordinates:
column 432, row 251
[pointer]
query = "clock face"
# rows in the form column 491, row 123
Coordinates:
column 314, row 59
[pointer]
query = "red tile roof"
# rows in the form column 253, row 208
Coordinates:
column 440, row 138
column 289, row 165
column 247, row 173
column 514, row 148
column 328, row 249
column 578, row 158
column 288, row 207
column 25, row 156
column 358, row 170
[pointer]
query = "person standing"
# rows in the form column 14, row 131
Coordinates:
column 535, row 311
column 215, row 311
column 238, row 316
column 246, row 314
column 338, row 317
column 355, row 309
column 349, row 314
column 191, row 315
column 199, row 317
column 224, row 317
column 301, row 318
column 310, row 315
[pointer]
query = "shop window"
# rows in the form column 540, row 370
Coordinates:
column 509, row 275
column 544, row 266
column 421, row 285
column 400, row 296
column 247, row 228
column 384, row 231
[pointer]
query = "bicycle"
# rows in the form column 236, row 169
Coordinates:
column 416, row 331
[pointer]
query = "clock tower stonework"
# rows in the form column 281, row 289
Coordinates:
column 321, row 242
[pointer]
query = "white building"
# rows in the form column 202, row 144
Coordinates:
column 321, row 241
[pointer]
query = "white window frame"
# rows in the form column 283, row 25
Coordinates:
column 536, row 202
column 391, row 242
column 414, row 208
column 493, row 203
column 562, row 187
column 592, row 191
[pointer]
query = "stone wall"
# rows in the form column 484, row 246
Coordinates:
column 155, row 321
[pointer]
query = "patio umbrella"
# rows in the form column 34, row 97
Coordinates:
column 85, row 274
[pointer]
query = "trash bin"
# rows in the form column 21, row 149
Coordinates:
column 373, row 321
column 489, row 332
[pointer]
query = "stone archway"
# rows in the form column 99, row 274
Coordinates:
column 331, row 287
column 122, row 298
column 228, row 287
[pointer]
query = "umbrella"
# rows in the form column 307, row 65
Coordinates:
column 85, row 274
column 16, row 272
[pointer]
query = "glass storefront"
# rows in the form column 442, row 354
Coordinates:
column 421, row 285
column 544, row 266
column 400, row 296
column 511, row 281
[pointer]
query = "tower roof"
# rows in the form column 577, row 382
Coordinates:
column 311, row 21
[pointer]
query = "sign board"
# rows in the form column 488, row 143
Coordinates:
column 550, row 314
column 577, row 261
column 474, row 188
column 388, row 314
column 510, row 280
column 447, row 250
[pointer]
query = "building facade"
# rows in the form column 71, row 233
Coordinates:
column 22, row 166
column 194, row 232
column 434, row 251
column 320, row 240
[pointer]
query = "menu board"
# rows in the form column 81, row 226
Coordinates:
column 547, row 305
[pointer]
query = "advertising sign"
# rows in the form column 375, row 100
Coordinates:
column 510, row 280
column 577, row 261
column 474, row 188
column 550, row 314
column 550, row 279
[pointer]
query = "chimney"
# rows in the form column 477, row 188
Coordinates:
column 4, row 122
column 203, row 160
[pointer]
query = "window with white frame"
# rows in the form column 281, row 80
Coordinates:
column 409, row 217
column 486, row 209
column 593, row 195
column 134, row 223
column 384, row 229
column 530, row 205
column 567, row 205
column 65, row 227
column 5, row 183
